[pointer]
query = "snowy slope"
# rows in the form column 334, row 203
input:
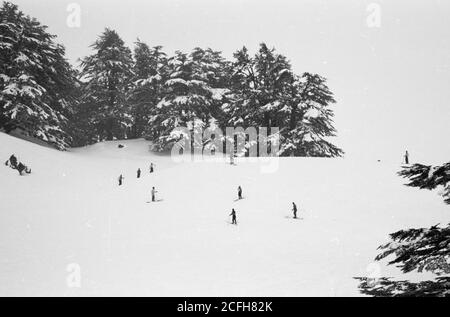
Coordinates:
column 70, row 210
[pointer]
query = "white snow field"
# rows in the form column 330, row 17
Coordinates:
column 70, row 213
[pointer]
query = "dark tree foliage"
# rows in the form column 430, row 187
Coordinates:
column 265, row 92
column 386, row 287
column 425, row 249
column 37, row 84
column 150, row 73
column 107, row 75
column 120, row 94
column 429, row 177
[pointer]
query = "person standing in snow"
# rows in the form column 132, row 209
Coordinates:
column 12, row 162
column 154, row 191
column 239, row 192
column 139, row 173
column 406, row 157
column 294, row 209
column 231, row 158
column 233, row 217
column 151, row 168
column 120, row 180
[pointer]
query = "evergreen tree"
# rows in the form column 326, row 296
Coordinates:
column 36, row 82
column 266, row 93
column 150, row 72
column 107, row 76
column 189, row 97
column 425, row 249
column 429, row 177
column 310, row 119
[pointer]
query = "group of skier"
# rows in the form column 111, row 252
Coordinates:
column 233, row 211
column 239, row 190
column 14, row 163
column 138, row 175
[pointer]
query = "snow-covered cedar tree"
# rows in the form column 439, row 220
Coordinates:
column 150, row 73
column 36, row 81
column 266, row 93
column 106, row 77
column 309, row 118
column 425, row 249
column 191, row 96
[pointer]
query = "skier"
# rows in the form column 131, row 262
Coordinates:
column 231, row 158
column 233, row 217
column 151, row 168
column 139, row 173
column 120, row 179
column 406, row 157
column 239, row 192
column 294, row 209
column 12, row 162
column 154, row 194
column 23, row 168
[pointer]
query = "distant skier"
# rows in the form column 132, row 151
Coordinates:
column 406, row 157
column 154, row 191
column 231, row 158
column 151, row 168
column 239, row 192
column 233, row 217
column 294, row 209
column 138, row 173
column 120, row 180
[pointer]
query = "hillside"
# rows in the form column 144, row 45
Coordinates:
column 70, row 210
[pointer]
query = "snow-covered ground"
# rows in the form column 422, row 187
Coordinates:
column 71, row 211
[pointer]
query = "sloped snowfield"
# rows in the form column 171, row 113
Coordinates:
column 70, row 213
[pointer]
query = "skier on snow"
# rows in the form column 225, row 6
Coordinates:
column 139, row 173
column 22, row 168
column 154, row 194
column 151, row 168
column 294, row 209
column 406, row 157
column 233, row 217
column 120, row 179
column 12, row 162
column 239, row 192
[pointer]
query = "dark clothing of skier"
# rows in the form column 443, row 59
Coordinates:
column 154, row 194
column 406, row 157
column 239, row 192
column 12, row 161
column 139, row 173
column 22, row 168
column 151, row 168
column 294, row 209
column 120, row 180
column 233, row 217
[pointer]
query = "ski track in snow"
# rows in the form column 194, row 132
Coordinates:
column 70, row 210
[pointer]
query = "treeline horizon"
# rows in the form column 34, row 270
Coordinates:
column 118, row 93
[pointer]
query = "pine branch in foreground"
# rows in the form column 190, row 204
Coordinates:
column 419, row 249
column 425, row 249
column 386, row 287
column 429, row 177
